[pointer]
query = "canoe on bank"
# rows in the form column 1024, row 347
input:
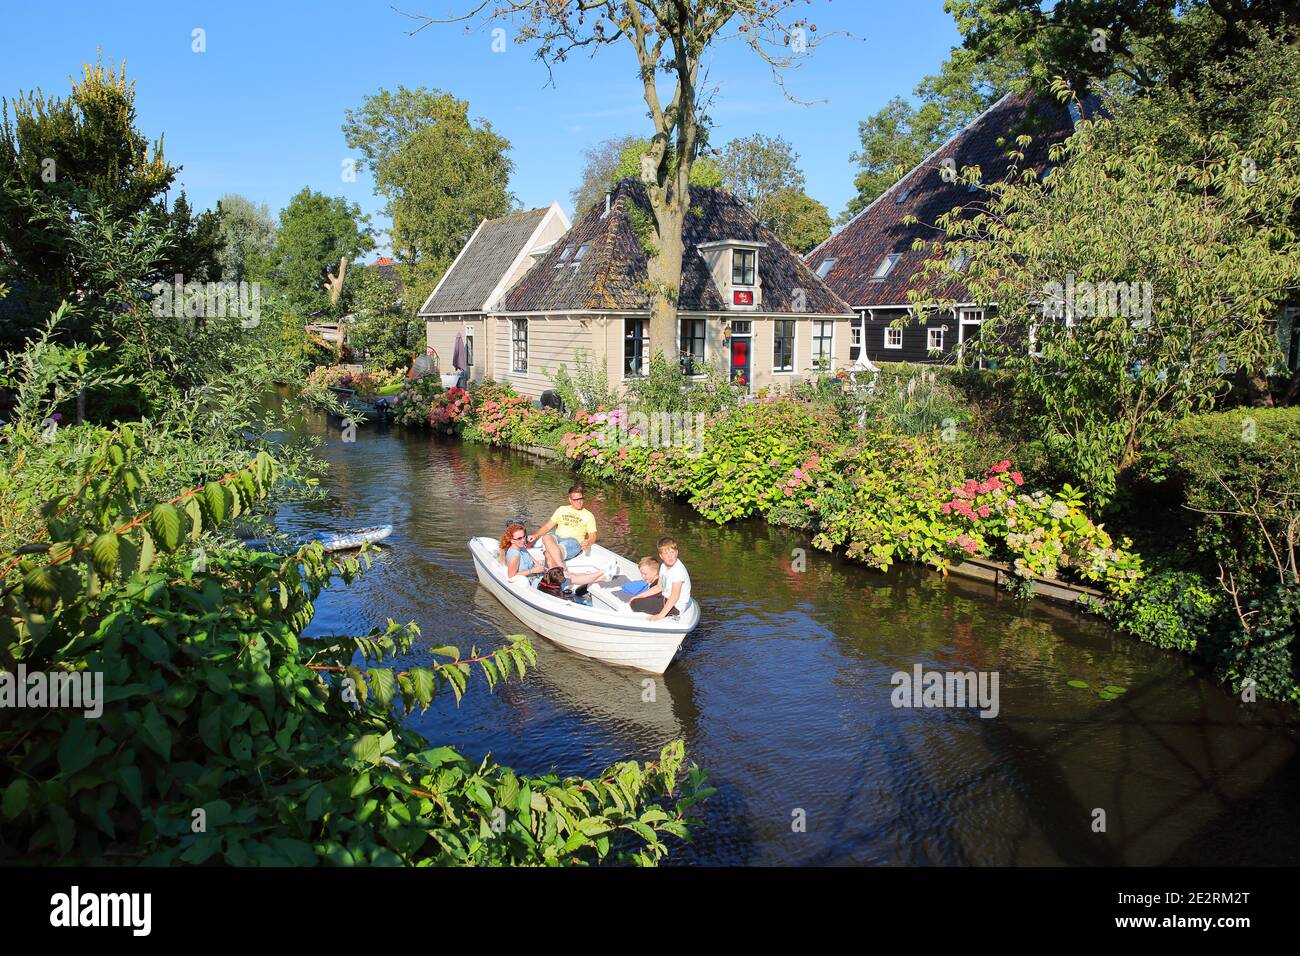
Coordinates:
column 609, row 630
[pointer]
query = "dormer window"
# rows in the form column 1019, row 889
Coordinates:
column 576, row 261
column 744, row 266
column 825, row 268
column 733, row 265
column 886, row 265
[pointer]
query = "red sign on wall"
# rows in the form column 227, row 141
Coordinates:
column 742, row 298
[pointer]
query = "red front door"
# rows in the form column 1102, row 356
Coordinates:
column 740, row 361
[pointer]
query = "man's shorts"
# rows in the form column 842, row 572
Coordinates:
column 572, row 546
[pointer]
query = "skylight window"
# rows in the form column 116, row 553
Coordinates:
column 825, row 268
column 582, row 251
column 886, row 264
column 901, row 197
column 565, row 254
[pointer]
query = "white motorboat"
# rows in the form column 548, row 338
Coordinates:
column 609, row 630
column 329, row 540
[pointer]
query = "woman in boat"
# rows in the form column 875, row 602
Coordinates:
column 520, row 561
column 516, row 556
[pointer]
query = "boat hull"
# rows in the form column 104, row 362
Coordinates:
column 622, row 638
column 330, row 541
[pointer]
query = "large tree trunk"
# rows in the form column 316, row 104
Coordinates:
column 665, row 273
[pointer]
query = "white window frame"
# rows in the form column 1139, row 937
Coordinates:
column 857, row 328
column 830, row 356
column 469, row 351
column 929, row 339
column 889, row 330
column 514, row 356
column 886, row 266
column 704, row 358
column 753, row 282
column 794, row 348
column 645, row 348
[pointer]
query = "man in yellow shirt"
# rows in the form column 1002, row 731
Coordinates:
column 571, row 530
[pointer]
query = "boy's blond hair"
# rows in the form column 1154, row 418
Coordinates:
column 647, row 562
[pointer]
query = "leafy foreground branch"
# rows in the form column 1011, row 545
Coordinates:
column 226, row 736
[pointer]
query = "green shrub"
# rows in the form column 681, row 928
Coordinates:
column 884, row 501
column 1262, row 645
column 758, row 454
column 1213, row 473
column 1173, row 609
column 292, row 748
column 586, row 388
column 911, row 400
column 666, row 388
column 415, row 400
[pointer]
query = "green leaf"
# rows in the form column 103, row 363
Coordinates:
column 77, row 748
column 165, row 523
column 423, row 685
column 195, row 514
column 1081, row 684
column 128, row 778
column 148, row 553
column 383, row 685
column 103, row 554
column 214, row 498
column 15, row 799
column 296, row 852
column 367, row 749
column 155, row 732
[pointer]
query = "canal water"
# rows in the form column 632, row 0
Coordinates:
column 783, row 693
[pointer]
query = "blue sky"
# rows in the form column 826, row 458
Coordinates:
column 259, row 112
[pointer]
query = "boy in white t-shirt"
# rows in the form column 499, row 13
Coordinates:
column 673, row 589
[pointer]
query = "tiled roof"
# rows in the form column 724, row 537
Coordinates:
column 387, row 268
column 482, row 263
column 613, row 266
column 879, row 230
